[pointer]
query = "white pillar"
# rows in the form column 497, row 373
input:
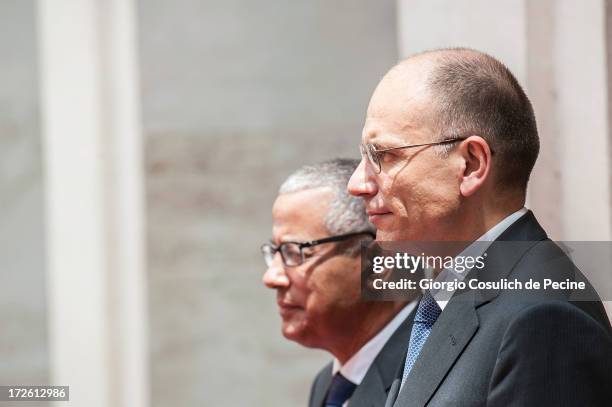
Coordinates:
column 579, row 58
column 496, row 27
column 94, row 201
column 568, row 84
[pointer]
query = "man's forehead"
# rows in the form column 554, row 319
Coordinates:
column 406, row 87
column 320, row 195
column 395, row 117
column 401, row 102
column 306, row 203
column 301, row 212
column 381, row 131
column 397, row 91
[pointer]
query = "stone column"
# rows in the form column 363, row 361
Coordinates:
column 94, row 217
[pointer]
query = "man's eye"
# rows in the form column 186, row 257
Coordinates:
column 308, row 252
column 386, row 156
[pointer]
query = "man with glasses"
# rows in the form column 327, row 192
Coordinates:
column 448, row 145
column 313, row 262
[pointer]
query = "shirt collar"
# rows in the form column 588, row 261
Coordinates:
column 475, row 249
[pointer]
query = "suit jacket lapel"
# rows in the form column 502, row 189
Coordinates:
column 452, row 332
column 373, row 389
column 369, row 391
column 321, row 387
column 459, row 322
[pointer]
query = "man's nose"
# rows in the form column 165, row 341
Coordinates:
column 275, row 276
column 362, row 182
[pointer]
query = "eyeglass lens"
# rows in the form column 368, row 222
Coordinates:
column 290, row 254
column 370, row 152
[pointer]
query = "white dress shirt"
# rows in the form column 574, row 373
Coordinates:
column 477, row 248
column 357, row 366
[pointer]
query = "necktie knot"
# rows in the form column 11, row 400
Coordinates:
column 340, row 390
column 428, row 310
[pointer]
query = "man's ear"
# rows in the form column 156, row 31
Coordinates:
column 476, row 153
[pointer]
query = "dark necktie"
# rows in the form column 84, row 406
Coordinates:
column 340, row 390
column 425, row 317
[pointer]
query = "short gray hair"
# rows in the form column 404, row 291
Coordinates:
column 475, row 94
column 346, row 212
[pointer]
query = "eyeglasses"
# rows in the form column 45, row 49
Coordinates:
column 375, row 155
column 292, row 252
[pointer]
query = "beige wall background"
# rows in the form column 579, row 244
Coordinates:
column 143, row 143
column 235, row 96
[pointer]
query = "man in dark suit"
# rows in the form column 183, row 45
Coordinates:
column 313, row 264
column 448, row 145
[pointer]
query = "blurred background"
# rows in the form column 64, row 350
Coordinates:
column 143, row 142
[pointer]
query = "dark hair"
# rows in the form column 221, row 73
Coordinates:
column 475, row 94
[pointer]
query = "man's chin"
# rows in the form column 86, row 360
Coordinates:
column 398, row 232
column 294, row 336
column 388, row 235
column 291, row 330
column 298, row 335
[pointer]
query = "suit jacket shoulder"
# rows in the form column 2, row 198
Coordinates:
column 516, row 348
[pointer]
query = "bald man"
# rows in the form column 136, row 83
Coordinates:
column 448, row 145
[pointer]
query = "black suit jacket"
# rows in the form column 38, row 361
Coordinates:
column 372, row 391
column 509, row 348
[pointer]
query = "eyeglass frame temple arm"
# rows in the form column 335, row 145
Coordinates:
column 422, row 145
column 334, row 238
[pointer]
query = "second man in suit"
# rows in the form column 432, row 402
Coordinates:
column 313, row 264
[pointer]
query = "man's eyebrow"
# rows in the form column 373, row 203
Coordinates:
column 286, row 239
column 385, row 139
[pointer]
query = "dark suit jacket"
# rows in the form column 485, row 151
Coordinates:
column 372, row 392
column 509, row 348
